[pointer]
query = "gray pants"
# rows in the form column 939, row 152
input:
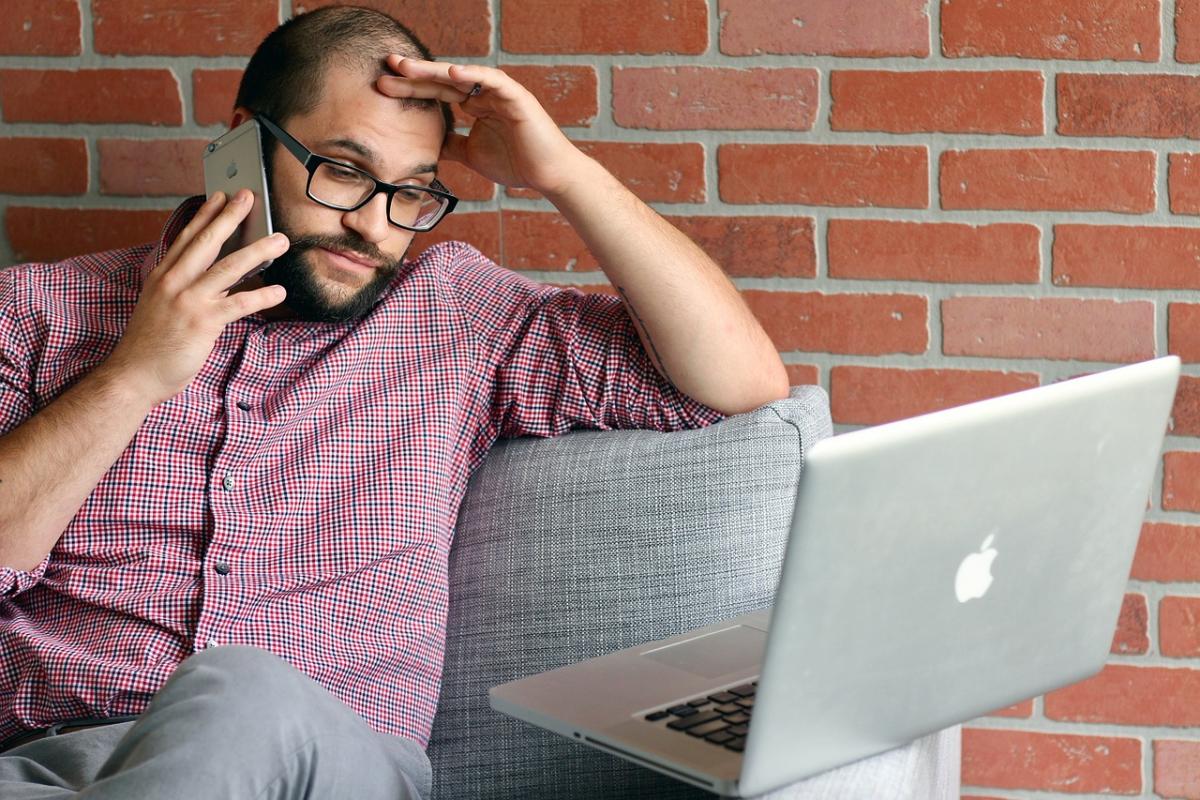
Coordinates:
column 232, row 722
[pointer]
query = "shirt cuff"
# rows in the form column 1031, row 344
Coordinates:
column 15, row 581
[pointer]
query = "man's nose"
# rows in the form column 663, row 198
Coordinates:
column 371, row 220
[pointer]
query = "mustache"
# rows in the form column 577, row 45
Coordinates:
column 348, row 241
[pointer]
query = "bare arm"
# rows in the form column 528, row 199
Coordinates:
column 692, row 322
column 52, row 462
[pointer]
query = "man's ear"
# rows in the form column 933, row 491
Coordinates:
column 240, row 115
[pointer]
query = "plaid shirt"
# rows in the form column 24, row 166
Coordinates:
column 300, row 494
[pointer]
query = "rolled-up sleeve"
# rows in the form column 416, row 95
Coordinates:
column 16, row 401
column 564, row 359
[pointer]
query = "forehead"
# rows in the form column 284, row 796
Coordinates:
column 350, row 109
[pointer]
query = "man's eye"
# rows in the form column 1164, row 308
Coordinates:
column 342, row 173
column 412, row 195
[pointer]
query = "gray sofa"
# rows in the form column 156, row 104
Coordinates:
column 571, row 547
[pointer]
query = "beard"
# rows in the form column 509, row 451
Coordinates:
column 307, row 297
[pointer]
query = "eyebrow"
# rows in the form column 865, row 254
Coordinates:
column 369, row 156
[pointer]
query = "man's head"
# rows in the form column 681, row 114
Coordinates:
column 314, row 76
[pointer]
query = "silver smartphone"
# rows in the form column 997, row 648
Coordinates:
column 233, row 162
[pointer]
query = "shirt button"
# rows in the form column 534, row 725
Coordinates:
column 243, row 405
column 211, row 643
column 227, row 482
column 222, row 568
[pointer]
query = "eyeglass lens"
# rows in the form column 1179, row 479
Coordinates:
column 340, row 187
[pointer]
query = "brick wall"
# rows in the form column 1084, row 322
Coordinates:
column 925, row 202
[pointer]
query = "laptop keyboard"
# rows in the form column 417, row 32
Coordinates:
column 721, row 718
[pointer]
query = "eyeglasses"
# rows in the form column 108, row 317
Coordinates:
column 336, row 184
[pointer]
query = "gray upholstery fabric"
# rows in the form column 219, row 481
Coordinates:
column 572, row 547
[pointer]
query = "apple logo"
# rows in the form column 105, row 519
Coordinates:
column 974, row 576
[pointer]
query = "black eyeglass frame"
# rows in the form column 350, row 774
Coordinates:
column 311, row 161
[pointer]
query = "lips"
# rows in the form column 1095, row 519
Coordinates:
column 350, row 258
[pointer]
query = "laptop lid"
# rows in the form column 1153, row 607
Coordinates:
column 885, row 625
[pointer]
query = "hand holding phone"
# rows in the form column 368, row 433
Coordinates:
column 185, row 302
column 233, row 162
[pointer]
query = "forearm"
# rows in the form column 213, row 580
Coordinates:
column 691, row 319
column 52, row 462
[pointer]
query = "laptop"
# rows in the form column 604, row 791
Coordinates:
column 937, row 568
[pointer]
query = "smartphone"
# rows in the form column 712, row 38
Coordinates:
column 233, row 162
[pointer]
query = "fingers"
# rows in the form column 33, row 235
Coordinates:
column 204, row 215
column 202, row 249
column 233, row 267
column 397, row 87
column 460, row 77
column 243, row 304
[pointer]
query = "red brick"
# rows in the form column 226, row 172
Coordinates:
column 1187, row 31
column 604, row 26
column 1128, row 695
column 1133, row 257
column 1154, row 106
column 1084, row 30
column 803, row 374
column 1178, row 631
column 179, row 28
column 1181, row 481
column 1185, row 416
column 1167, row 553
column 934, row 251
column 871, row 28
column 861, row 324
column 147, row 96
column 937, row 102
column 655, row 172
column 51, row 234
column 742, row 246
column 41, row 28
column 1183, row 183
column 681, row 98
column 1177, row 769
column 1053, row 762
column 566, row 91
column 1183, row 331
column 1022, row 710
column 873, row 395
column 479, row 228
column 1051, row 328
column 213, row 94
column 466, row 183
column 1050, row 180
column 755, row 247
column 1132, row 636
column 154, row 168
column 43, row 166
column 542, row 240
column 447, row 27
column 824, row 175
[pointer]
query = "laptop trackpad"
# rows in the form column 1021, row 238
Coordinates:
column 715, row 654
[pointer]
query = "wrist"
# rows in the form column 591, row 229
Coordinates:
column 579, row 172
column 126, row 385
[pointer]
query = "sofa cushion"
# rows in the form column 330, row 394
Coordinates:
column 571, row 547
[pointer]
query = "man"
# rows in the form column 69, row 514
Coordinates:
column 228, row 512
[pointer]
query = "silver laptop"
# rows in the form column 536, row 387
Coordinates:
column 937, row 568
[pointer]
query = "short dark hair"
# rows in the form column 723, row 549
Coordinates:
column 286, row 73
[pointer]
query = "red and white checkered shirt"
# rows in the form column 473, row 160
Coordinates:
column 300, row 494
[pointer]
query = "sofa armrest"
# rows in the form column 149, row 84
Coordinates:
column 571, row 547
